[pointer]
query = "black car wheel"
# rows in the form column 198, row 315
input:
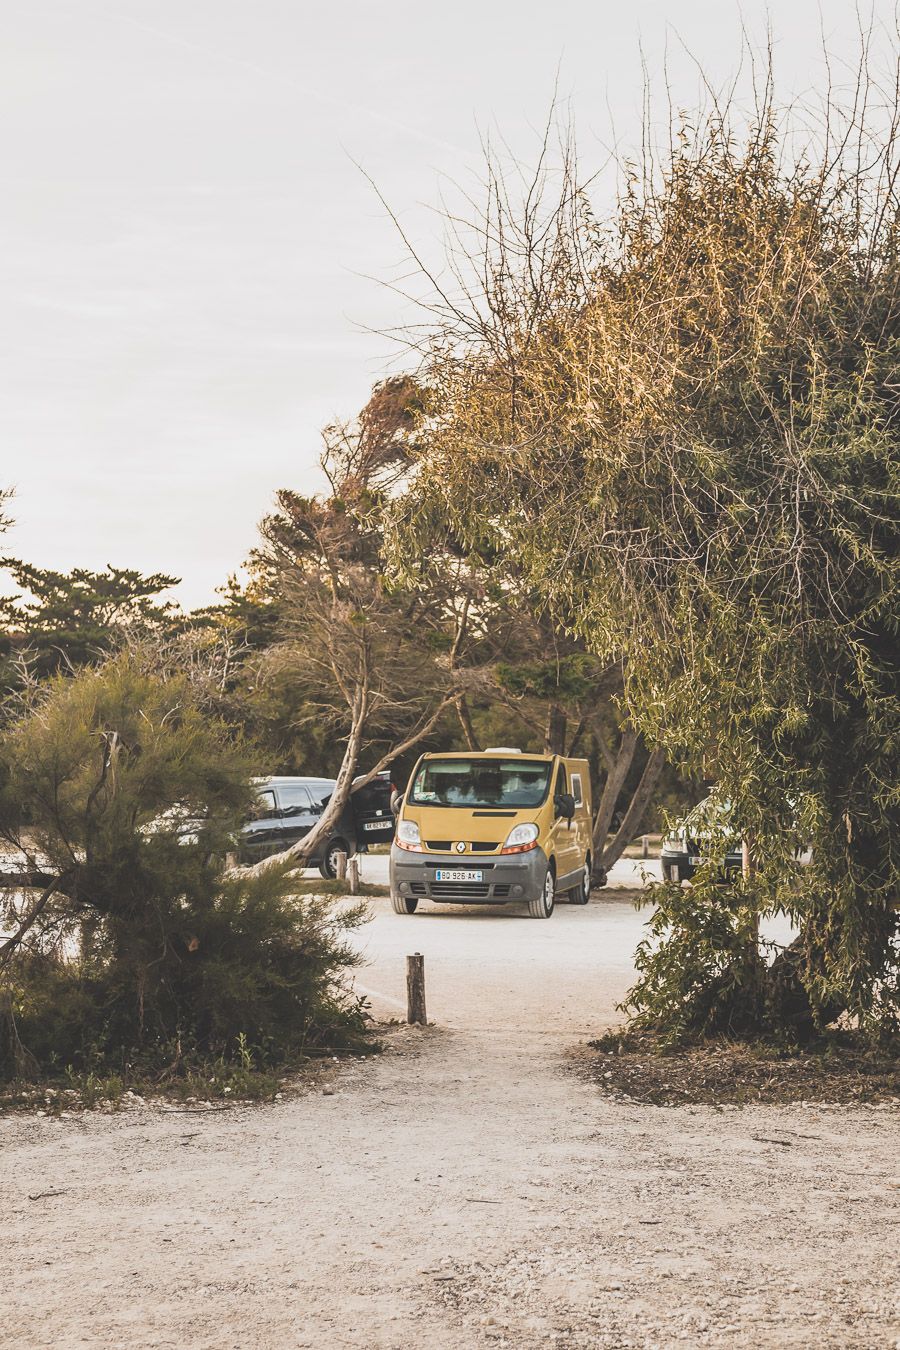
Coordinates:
column 328, row 865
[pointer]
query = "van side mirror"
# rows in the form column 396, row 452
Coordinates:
column 564, row 804
column 396, row 803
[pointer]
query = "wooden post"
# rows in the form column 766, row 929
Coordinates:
column 231, row 861
column 645, row 846
column 415, row 989
column 353, row 874
column 340, row 866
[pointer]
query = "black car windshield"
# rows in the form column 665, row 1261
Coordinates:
column 512, row 783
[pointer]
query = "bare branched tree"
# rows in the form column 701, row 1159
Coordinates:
column 366, row 655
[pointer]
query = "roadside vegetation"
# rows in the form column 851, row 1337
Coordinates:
column 638, row 503
column 133, row 956
column 677, row 421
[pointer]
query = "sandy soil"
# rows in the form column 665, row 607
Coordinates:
column 465, row 1189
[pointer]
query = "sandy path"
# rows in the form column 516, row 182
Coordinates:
column 465, row 1189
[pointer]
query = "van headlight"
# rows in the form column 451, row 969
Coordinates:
column 521, row 839
column 408, row 836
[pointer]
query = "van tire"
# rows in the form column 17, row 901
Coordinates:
column 401, row 905
column 581, row 894
column 328, row 865
column 542, row 907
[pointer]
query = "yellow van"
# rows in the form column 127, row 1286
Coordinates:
column 494, row 827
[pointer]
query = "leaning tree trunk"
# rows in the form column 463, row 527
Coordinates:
column 302, row 851
column 615, row 780
column 347, row 781
column 637, row 809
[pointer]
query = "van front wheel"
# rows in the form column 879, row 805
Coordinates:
column 581, row 894
column 401, row 905
column 542, row 907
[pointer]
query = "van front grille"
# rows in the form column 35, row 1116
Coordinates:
column 445, row 845
column 460, row 890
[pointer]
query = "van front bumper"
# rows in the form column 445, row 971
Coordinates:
column 511, row 878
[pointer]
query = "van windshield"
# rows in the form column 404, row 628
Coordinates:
column 511, row 783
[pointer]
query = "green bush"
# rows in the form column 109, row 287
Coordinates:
column 700, row 972
column 146, row 958
column 703, row 971
column 254, row 964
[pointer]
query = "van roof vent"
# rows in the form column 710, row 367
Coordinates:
column 502, row 750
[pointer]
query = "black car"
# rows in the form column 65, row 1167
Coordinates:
column 372, row 814
column 289, row 808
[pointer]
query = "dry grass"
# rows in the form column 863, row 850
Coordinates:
column 840, row 1068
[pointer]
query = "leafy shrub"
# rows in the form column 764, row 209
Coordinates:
column 142, row 956
column 700, row 972
column 253, row 963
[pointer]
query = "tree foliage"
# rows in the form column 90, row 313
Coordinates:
column 681, row 422
column 121, row 796
column 68, row 619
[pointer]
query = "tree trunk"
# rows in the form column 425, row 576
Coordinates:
column 305, row 847
column 637, row 807
column 555, row 737
column 577, row 735
column 344, row 786
column 615, row 778
column 465, row 721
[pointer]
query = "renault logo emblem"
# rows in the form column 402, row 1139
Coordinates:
column 460, row 847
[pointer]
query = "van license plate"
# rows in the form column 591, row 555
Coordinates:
column 456, row 874
column 376, row 824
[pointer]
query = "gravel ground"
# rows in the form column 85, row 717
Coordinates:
column 464, row 1189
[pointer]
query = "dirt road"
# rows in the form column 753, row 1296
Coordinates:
column 465, row 1189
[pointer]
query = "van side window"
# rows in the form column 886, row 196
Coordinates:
column 576, row 789
column 561, row 784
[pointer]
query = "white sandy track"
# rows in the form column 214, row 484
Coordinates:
column 464, row 1189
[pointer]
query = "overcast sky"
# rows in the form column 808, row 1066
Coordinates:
column 188, row 242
